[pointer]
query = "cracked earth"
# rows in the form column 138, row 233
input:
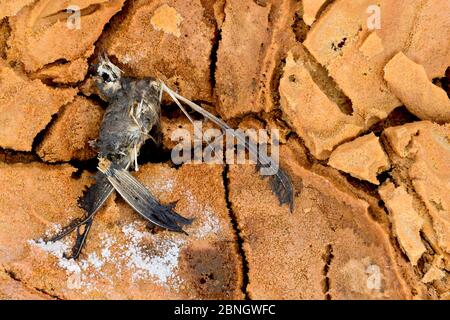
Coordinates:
column 365, row 135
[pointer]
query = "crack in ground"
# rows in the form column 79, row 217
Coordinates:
column 444, row 82
column 299, row 27
column 237, row 231
column 327, row 258
column 399, row 180
column 324, row 8
column 5, row 28
column 10, row 156
column 261, row 3
column 11, row 274
column 316, row 70
column 213, row 58
column 275, row 82
column 326, row 83
column 39, row 138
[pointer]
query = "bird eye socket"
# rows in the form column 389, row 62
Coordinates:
column 106, row 77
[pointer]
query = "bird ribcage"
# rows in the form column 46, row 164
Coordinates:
column 140, row 112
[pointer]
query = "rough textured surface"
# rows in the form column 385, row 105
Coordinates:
column 409, row 82
column 68, row 138
column 312, row 69
column 316, row 118
column 10, row 8
column 372, row 46
column 420, row 152
column 428, row 151
column 170, row 40
column 253, row 38
column 337, row 248
column 406, row 221
column 311, row 9
column 123, row 259
column 433, row 274
column 71, row 72
column 240, row 54
column 363, row 158
column 26, row 107
column 12, row 289
column 406, row 25
column 40, row 35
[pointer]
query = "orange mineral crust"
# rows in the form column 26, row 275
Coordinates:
column 358, row 91
column 409, row 82
column 363, row 158
column 123, row 258
column 255, row 37
column 40, row 34
column 171, row 40
column 69, row 137
column 329, row 247
column 418, row 28
column 422, row 153
column 26, row 107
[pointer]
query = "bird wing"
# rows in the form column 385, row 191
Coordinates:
column 140, row 198
column 279, row 180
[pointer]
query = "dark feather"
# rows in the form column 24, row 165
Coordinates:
column 280, row 182
column 92, row 200
column 141, row 200
column 80, row 240
column 96, row 195
column 281, row 186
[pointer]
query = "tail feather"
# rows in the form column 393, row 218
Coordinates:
column 281, row 185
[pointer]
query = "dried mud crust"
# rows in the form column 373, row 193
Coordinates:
column 124, row 260
column 364, row 122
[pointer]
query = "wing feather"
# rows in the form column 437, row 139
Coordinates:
column 280, row 181
column 141, row 200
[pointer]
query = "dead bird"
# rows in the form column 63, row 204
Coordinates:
column 133, row 116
